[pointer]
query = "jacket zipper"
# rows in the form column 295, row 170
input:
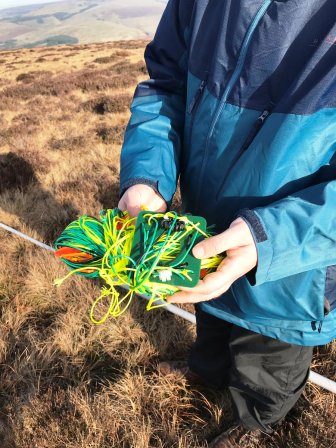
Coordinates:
column 235, row 75
column 254, row 131
column 195, row 103
column 251, row 136
column 197, row 97
column 327, row 309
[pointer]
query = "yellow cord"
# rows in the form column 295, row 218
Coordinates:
column 109, row 244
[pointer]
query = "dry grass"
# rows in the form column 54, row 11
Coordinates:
column 64, row 382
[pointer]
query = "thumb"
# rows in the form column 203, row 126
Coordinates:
column 217, row 244
column 122, row 204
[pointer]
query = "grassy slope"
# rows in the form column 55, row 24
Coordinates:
column 92, row 20
column 64, row 382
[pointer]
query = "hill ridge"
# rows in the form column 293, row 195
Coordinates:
column 82, row 21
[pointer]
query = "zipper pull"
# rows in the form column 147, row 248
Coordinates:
column 263, row 117
column 258, row 124
column 197, row 95
column 314, row 327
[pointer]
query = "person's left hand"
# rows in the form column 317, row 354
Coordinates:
column 241, row 256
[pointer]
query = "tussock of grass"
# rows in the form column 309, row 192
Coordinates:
column 64, row 382
column 111, row 134
column 104, row 60
column 70, row 143
column 105, row 104
column 15, row 172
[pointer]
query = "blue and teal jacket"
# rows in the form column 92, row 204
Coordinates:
column 241, row 104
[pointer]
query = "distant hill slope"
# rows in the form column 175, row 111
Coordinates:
column 79, row 21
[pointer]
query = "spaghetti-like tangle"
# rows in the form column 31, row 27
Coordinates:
column 102, row 248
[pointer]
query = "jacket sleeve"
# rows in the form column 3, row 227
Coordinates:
column 154, row 135
column 295, row 234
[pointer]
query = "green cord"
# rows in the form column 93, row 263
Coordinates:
column 106, row 246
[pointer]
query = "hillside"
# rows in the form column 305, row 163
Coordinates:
column 78, row 21
column 64, row 382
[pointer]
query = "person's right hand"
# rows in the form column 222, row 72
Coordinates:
column 141, row 195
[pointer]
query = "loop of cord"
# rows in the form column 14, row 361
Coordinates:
column 107, row 245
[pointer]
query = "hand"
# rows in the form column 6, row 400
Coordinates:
column 141, row 195
column 241, row 256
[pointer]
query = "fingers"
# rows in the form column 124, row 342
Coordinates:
column 131, row 201
column 158, row 205
column 130, row 204
column 219, row 243
column 205, row 289
column 122, row 204
column 216, row 283
column 236, row 236
column 184, row 297
column 133, row 209
column 139, row 196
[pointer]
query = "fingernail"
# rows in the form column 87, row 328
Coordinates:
column 198, row 251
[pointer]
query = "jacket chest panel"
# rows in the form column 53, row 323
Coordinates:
column 290, row 61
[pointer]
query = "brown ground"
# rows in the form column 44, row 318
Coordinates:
column 63, row 382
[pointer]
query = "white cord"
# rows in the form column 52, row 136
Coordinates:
column 314, row 377
column 26, row 237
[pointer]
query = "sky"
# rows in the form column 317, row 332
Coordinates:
column 4, row 4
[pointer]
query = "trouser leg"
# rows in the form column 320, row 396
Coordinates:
column 210, row 354
column 267, row 377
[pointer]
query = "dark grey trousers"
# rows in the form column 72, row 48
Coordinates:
column 265, row 376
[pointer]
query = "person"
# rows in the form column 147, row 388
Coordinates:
column 241, row 107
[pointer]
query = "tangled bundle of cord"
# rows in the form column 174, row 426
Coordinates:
column 103, row 248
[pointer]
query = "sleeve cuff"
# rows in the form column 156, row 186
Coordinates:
column 259, row 274
column 138, row 180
